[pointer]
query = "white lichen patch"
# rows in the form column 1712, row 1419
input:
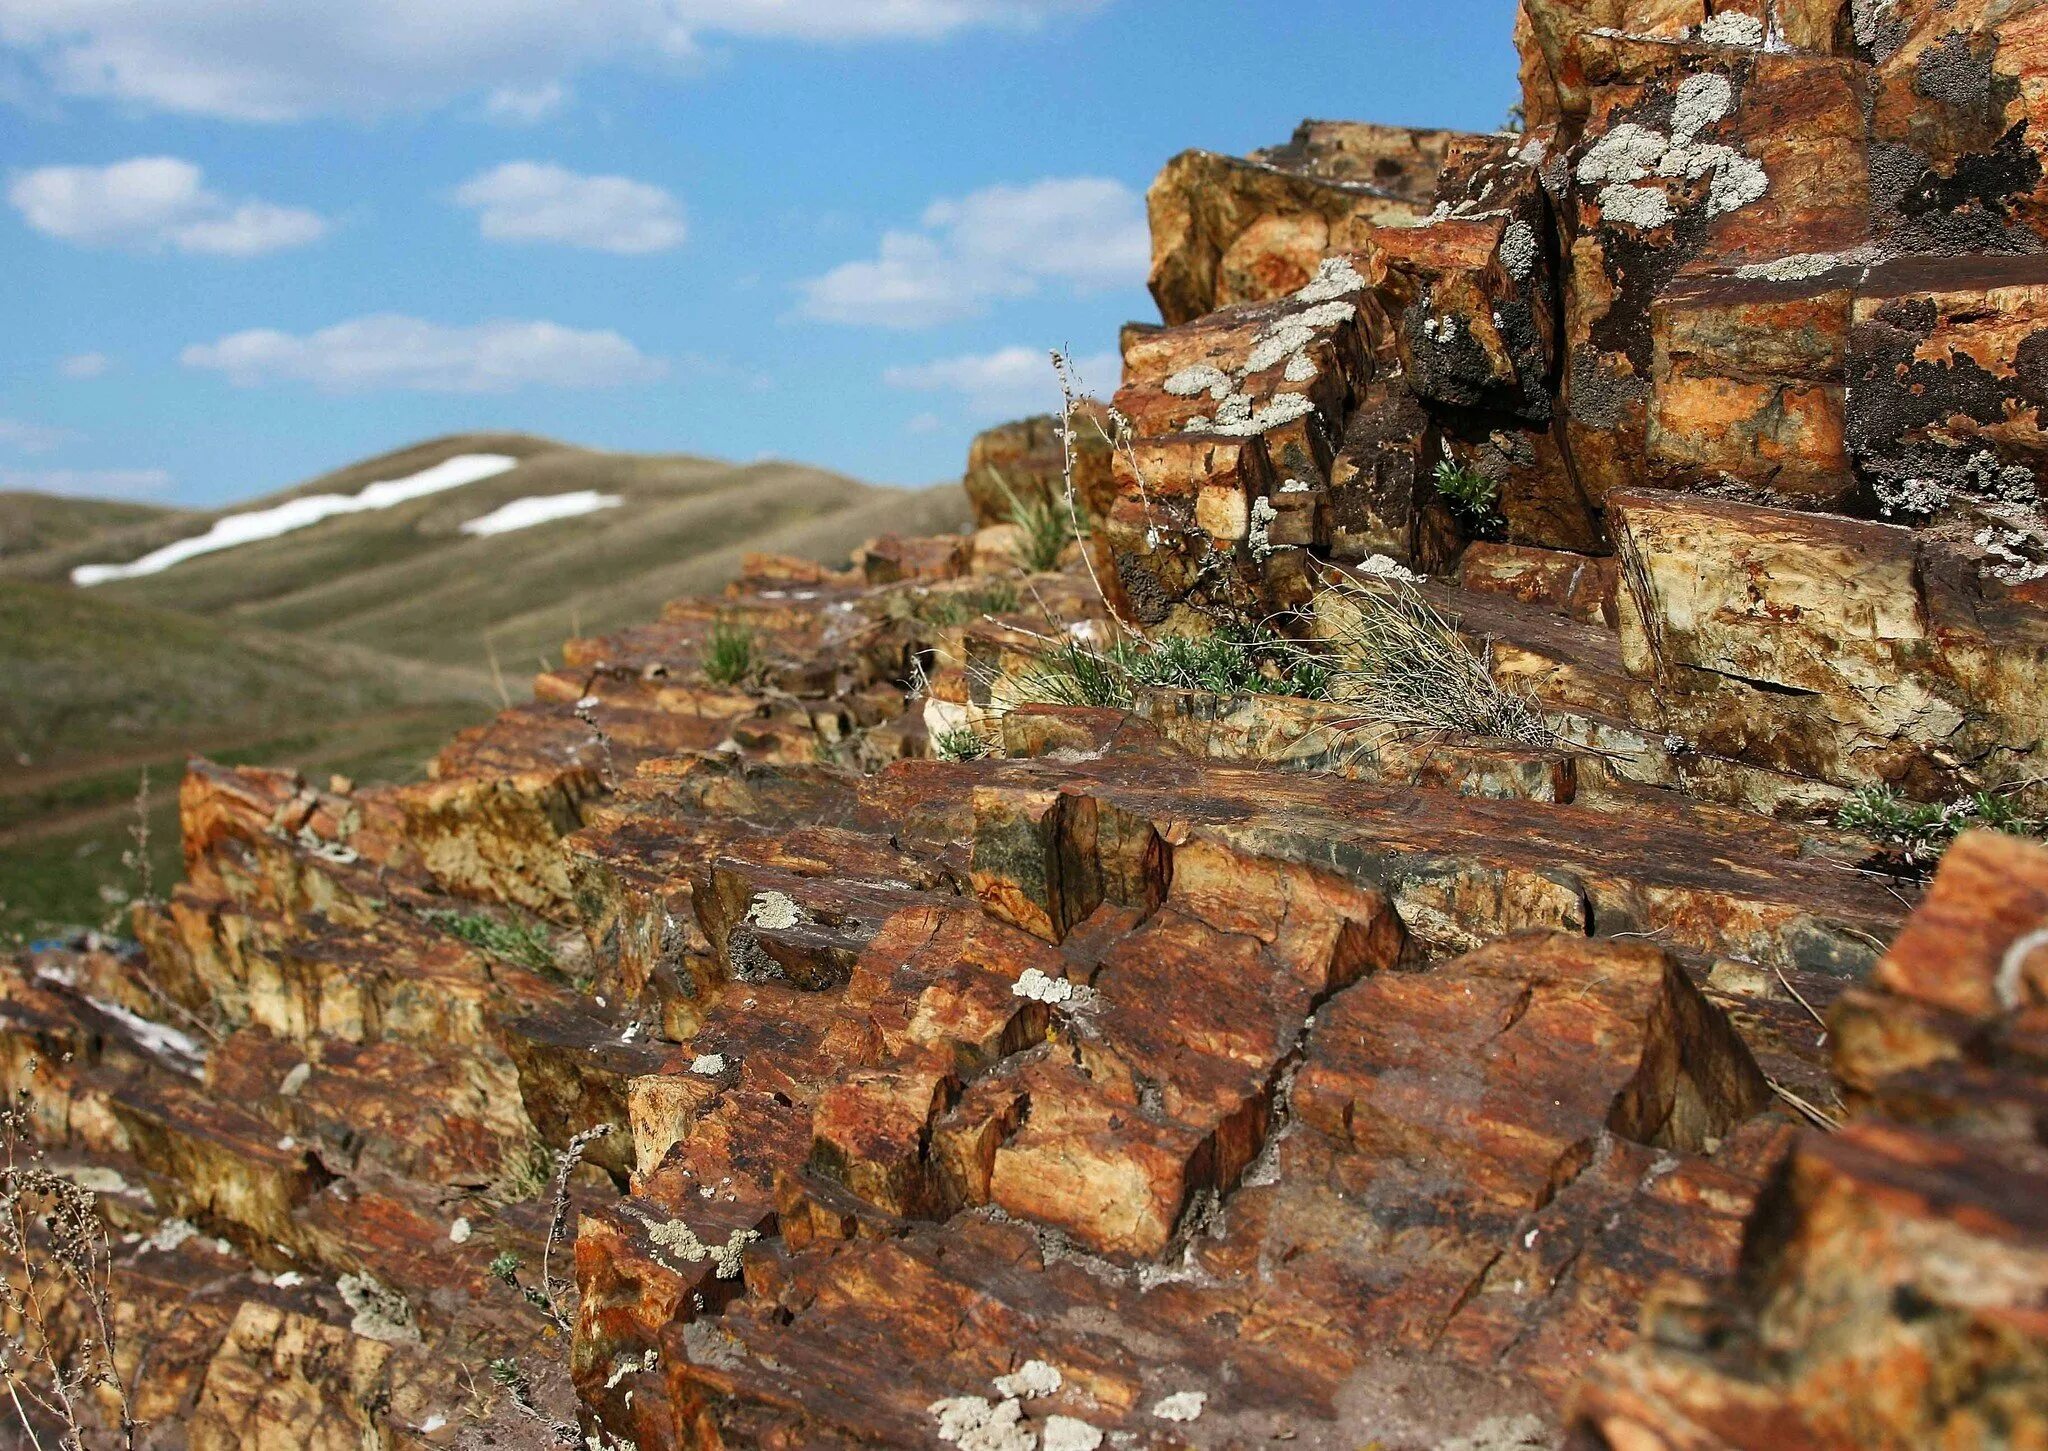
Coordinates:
column 1800, row 266
column 710, row 1065
column 1702, row 100
column 1259, row 534
column 1518, row 249
column 459, row 1232
column 1335, row 278
column 170, row 1234
column 1385, row 566
column 1181, row 1406
column 1630, row 153
column 1732, row 27
column 1644, row 207
column 96, row 1179
column 1067, row 1433
column 972, row 1424
column 381, row 1313
column 1032, row 1378
column 1201, row 378
column 1301, row 368
column 1039, row 988
column 775, row 911
column 678, row 1239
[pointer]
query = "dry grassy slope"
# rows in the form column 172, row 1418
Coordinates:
column 40, row 523
column 407, row 581
column 357, row 645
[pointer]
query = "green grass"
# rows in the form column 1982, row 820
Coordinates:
column 1915, row 835
column 960, row 744
column 730, row 656
column 523, row 943
column 946, row 608
column 35, row 523
column 1472, row 496
column 1046, row 524
column 84, row 677
column 1230, row 663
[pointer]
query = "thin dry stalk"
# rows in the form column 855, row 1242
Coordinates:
column 53, row 1241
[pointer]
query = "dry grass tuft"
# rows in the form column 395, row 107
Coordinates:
column 1405, row 670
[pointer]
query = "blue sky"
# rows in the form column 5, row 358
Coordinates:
column 249, row 240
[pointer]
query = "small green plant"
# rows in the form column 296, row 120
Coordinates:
column 960, row 744
column 1912, row 836
column 1472, row 496
column 1046, row 524
column 730, row 656
column 963, row 606
column 1229, row 663
column 518, row 942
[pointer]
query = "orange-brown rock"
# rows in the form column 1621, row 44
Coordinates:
column 1227, row 230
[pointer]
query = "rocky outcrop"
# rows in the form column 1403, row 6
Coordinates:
column 869, row 1009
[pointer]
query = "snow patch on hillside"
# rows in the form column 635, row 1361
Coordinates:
column 301, row 513
column 541, row 509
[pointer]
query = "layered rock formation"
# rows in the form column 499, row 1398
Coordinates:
column 708, row 1056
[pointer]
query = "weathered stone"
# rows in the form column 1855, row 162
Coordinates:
column 1228, row 231
column 1853, row 652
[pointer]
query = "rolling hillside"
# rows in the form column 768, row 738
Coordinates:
column 40, row 523
column 356, row 643
column 407, row 580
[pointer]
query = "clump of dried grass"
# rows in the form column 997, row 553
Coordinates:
column 1404, row 670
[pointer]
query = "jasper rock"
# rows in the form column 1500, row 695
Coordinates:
column 1945, row 370
column 1689, row 151
column 1028, row 459
column 1749, row 384
column 1879, row 1257
column 1957, row 122
column 1848, row 651
column 1227, row 230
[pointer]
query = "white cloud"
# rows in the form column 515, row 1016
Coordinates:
column 1004, row 241
column 525, row 105
column 30, row 437
column 1008, row 383
column 152, row 202
column 85, row 365
column 392, row 351
column 89, row 483
column 280, row 60
column 529, row 201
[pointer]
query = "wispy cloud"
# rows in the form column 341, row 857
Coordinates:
column 30, row 437
column 389, row 351
column 1008, row 382
column 1005, row 241
column 529, row 201
column 525, row 105
column 82, row 366
column 283, row 60
column 151, row 203
column 88, row 483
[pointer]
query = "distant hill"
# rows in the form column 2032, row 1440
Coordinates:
column 356, row 644
column 407, row 580
column 39, row 523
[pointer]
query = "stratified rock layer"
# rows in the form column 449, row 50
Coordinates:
column 1205, row 1069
